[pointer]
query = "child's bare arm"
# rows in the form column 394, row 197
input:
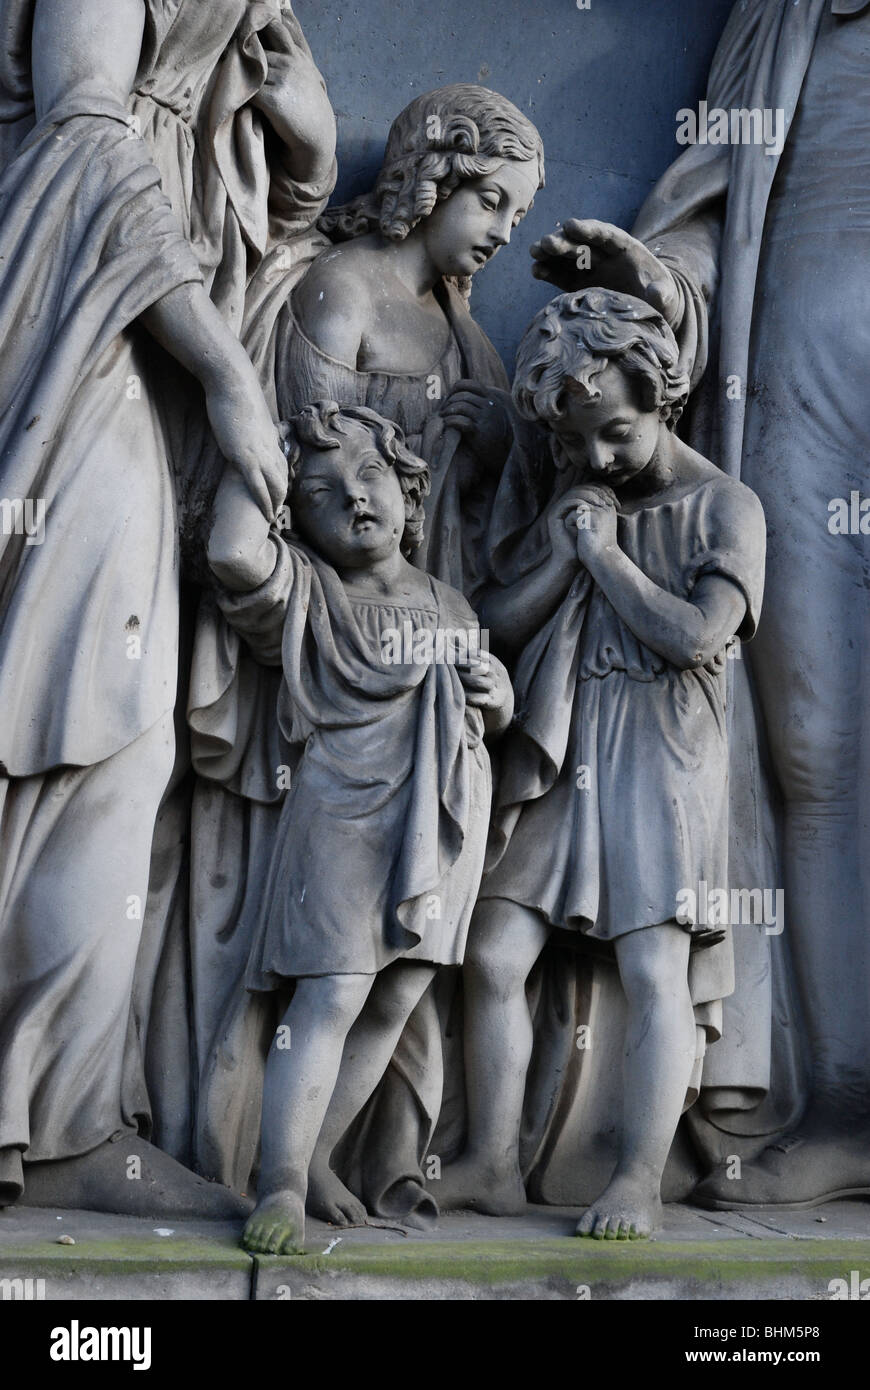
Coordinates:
column 241, row 551
column 686, row 632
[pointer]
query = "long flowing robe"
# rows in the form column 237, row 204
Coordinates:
column 103, row 210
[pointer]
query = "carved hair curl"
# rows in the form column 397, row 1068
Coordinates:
column 440, row 140
column 322, row 425
column 575, row 337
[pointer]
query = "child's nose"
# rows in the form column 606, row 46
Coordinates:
column 600, row 458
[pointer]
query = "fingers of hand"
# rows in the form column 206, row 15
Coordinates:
column 554, row 246
column 603, row 234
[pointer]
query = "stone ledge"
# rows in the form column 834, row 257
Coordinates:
column 698, row 1257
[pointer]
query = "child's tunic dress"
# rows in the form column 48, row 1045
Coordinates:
column 613, row 796
column 382, row 836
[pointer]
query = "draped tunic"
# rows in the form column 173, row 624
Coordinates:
column 379, row 849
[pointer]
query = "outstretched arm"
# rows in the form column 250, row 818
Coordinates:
column 241, row 549
column 587, row 253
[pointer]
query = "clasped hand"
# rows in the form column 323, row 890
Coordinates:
column 583, row 524
column 483, row 415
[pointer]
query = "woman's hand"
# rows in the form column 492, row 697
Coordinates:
column 618, row 261
column 294, row 101
column 246, row 434
column 488, row 687
column 483, row 415
column 595, row 522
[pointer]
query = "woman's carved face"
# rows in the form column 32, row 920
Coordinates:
column 348, row 502
column 464, row 231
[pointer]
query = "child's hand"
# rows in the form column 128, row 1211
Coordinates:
column 562, row 526
column 594, row 520
column 484, row 417
column 488, row 687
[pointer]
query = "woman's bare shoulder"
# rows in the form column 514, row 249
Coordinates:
column 333, row 305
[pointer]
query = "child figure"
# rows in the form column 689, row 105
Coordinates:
column 382, row 836
column 627, row 569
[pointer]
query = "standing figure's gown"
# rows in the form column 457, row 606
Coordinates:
column 238, row 800
column 103, row 210
column 778, row 248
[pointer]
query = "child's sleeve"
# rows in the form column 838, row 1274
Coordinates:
column 731, row 539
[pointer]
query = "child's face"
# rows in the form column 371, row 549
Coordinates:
column 348, row 502
column 612, row 439
column 464, row 231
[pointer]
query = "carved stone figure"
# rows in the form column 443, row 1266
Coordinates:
column 134, row 192
column 380, row 321
column 776, row 243
column 634, row 563
column 379, row 849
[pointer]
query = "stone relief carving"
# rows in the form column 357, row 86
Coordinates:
column 253, row 764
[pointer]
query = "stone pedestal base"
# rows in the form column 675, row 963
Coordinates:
column 698, row 1256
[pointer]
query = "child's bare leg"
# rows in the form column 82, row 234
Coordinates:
column 659, row 1055
column 300, row 1075
column 504, row 942
column 370, row 1044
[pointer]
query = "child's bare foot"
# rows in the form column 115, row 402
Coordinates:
column 277, row 1225
column 470, row 1183
column 628, row 1209
column 330, row 1200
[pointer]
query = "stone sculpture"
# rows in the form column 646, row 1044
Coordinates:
column 380, row 320
column 773, row 240
column 174, row 287
column 113, row 256
column 379, row 850
column 635, row 567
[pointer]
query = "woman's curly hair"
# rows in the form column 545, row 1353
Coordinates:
column 321, row 425
column 439, row 141
column 576, row 336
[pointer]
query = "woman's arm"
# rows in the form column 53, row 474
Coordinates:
column 295, row 102
column 93, row 48
column 331, row 305
column 191, row 329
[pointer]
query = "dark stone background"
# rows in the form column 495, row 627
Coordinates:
column 602, row 85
